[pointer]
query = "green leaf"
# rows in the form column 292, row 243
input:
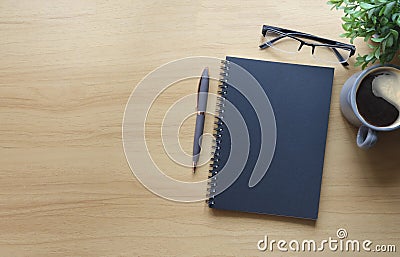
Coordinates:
column 369, row 57
column 349, row 10
column 382, row 10
column 347, row 34
column 367, row 37
column 377, row 52
column 370, row 13
column 390, row 56
column 389, row 41
column 395, row 34
column 389, row 8
column 335, row 2
column 346, row 26
column 366, row 6
column 384, row 21
column 377, row 39
column 347, row 19
column 358, row 14
column 383, row 46
column 359, row 60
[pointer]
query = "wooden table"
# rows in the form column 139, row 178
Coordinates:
column 67, row 69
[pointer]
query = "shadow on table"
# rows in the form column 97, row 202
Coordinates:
column 234, row 214
column 382, row 161
column 384, row 158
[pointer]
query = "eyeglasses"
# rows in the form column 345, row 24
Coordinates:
column 289, row 41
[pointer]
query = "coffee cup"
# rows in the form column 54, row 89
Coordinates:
column 370, row 100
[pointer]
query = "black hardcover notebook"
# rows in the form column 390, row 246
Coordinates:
column 283, row 163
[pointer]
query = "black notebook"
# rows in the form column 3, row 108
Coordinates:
column 277, row 167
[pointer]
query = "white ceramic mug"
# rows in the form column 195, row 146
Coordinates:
column 367, row 133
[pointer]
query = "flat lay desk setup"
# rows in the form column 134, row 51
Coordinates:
column 67, row 70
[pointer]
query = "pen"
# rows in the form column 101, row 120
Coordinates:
column 202, row 94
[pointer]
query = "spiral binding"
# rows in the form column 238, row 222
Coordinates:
column 218, row 130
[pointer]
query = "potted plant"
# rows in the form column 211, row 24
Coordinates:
column 378, row 22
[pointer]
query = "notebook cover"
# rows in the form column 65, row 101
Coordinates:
column 300, row 98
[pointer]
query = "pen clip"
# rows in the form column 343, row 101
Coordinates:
column 198, row 93
column 202, row 89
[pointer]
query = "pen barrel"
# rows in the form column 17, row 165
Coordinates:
column 198, row 136
column 202, row 100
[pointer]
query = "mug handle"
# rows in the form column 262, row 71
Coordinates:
column 366, row 137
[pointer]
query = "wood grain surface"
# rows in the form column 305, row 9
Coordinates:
column 67, row 69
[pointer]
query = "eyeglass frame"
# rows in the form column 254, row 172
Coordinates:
column 325, row 42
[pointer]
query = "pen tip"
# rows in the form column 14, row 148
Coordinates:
column 194, row 167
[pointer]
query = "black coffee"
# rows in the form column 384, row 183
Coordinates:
column 375, row 110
